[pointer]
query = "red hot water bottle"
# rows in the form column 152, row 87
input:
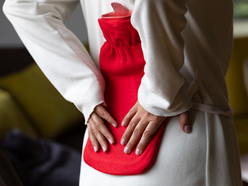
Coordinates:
column 122, row 65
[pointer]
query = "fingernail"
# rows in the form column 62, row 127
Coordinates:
column 95, row 149
column 126, row 150
column 123, row 123
column 110, row 141
column 187, row 129
column 114, row 124
column 123, row 142
column 104, row 149
column 138, row 152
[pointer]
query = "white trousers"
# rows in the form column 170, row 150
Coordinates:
column 208, row 156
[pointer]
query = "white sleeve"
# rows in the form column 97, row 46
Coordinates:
column 160, row 24
column 57, row 51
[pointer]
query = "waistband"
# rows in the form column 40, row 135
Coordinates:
column 193, row 88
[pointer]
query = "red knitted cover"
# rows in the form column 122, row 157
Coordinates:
column 122, row 65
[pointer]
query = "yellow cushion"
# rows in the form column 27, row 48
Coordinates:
column 241, row 126
column 238, row 98
column 50, row 113
column 11, row 116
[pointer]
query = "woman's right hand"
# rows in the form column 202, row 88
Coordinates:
column 98, row 132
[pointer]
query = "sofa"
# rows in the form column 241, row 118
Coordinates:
column 50, row 129
column 29, row 102
column 237, row 84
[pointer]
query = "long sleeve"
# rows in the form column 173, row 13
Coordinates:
column 160, row 24
column 57, row 51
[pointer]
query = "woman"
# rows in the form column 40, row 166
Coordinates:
column 187, row 48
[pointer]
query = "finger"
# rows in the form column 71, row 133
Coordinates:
column 128, row 132
column 147, row 136
column 101, row 111
column 184, row 122
column 129, row 116
column 94, row 142
column 135, row 137
column 99, row 137
column 99, row 125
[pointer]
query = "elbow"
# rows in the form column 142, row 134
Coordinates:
column 6, row 7
column 10, row 7
column 19, row 8
column 25, row 8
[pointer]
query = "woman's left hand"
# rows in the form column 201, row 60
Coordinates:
column 142, row 126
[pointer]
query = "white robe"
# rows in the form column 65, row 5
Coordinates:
column 187, row 47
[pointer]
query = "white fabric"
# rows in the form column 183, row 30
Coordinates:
column 181, row 43
column 244, row 167
column 206, row 157
column 184, row 43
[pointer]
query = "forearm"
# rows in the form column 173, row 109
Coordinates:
column 57, row 51
column 160, row 24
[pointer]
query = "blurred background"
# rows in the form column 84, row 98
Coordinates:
column 19, row 80
column 46, row 148
column 30, row 103
column 237, row 81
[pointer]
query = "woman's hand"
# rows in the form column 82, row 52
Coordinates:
column 141, row 127
column 98, row 132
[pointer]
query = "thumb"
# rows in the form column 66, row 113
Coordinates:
column 184, row 122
